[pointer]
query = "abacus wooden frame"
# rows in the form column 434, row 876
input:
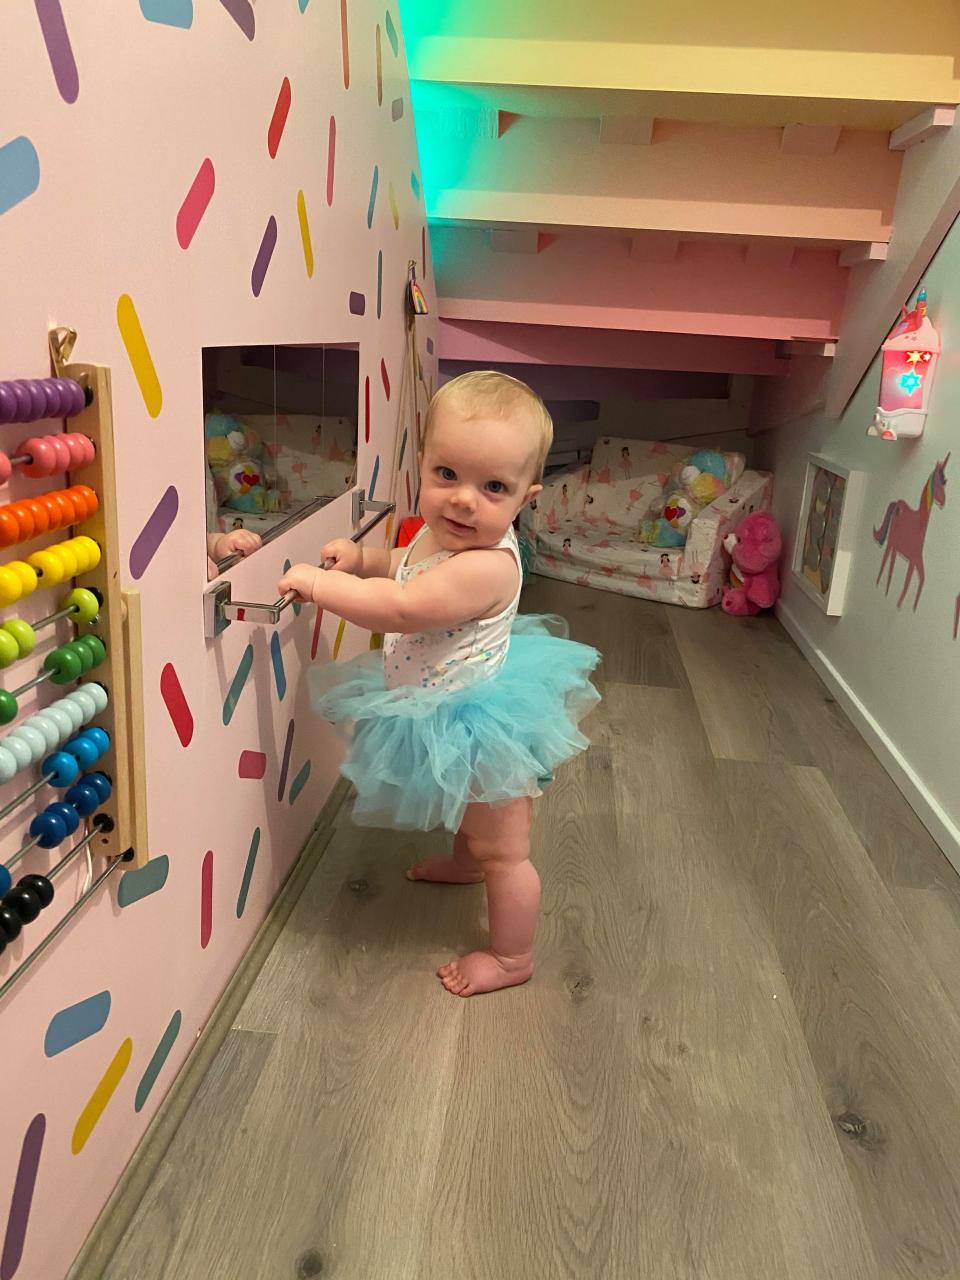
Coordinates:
column 118, row 625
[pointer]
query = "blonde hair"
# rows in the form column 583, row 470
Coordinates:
column 484, row 391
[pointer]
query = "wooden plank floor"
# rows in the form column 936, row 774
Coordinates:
column 739, row 1058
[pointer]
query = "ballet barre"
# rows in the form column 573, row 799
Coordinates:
column 219, row 607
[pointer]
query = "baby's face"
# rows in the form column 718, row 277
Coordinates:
column 476, row 475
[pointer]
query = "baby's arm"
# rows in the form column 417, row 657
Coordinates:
column 473, row 584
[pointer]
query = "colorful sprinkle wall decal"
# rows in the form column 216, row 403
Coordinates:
column 264, row 254
column 331, row 157
column 430, row 346
column 385, row 378
column 358, row 303
column 169, row 13
column 394, row 210
column 53, row 28
column 280, row 112
column 241, row 11
column 315, row 640
column 19, row 172
column 252, row 764
column 206, row 899
column 141, row 882
column 299, row 782
column 379, row 69
column 276, row 657
column 403, row 449
column 379, row 284
column 366, row 410
column 303, row 5
column 339, row 639
column 76, row 1023
column 372, row 204
column 155, row 1065
column 195, row 204
column 409, row 495
column 305, row 233
column 392, row 34
column 396, row 109
column 236, row 685
column 415, row 185
column 138, row 353
column 374, row 477
column 101, row 1097
column 376, row 640
column 345, row 43
column 153, row 532
column 285, row 765
column 248, row 873
column 22, row 1199
column 174, row 699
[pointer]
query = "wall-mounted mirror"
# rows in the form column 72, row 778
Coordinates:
column 279, row 435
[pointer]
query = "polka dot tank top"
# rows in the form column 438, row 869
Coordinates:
column 453, row 657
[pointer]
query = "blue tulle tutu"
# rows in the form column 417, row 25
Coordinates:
column 419, row 757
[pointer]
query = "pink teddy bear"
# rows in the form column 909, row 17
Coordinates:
column 755, row 547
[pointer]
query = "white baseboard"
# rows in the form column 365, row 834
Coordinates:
column 926, row 806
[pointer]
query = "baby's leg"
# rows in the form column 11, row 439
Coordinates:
column 499, row 842
column 458, row 869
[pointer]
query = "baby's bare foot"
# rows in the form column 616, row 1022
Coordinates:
column 444, row 871
column 483, row 971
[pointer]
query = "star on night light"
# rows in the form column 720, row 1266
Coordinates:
column 910, row 382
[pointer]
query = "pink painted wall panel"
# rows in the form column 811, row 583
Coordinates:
column 109, row 215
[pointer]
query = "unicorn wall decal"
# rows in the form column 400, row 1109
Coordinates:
column 904, row 530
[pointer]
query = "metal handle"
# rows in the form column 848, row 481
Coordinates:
column 282, row 526
column 220, row 609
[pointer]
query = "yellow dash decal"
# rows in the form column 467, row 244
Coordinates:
column 391, row 195
column 101, row 1096
column 305, row 233
column 339, row 639
column 139, row 355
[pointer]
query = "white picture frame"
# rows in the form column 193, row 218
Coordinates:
column 823, row 548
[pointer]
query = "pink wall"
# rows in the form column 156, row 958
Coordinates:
column 121, row 112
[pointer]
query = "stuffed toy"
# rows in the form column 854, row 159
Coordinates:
column 235, row 457
column 698, row 480
column 754, row 547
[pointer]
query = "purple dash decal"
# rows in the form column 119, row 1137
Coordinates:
column 153, row 533
column 264, row 254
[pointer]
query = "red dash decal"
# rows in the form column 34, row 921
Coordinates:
column 366, row 410
column 331, row 157
column 316, row 635
column 195, row 204
column 385, row 377
column 409, row 498
column 206, row 898
column 175, row 701
column 280, row 113
column 253, row 764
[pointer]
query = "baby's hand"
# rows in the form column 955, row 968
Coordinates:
column 301, row 579
column 241, row 540
column 342, row 554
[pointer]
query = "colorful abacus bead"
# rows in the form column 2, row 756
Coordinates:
column 6, row 880
column 28, row 518
column 30, row 399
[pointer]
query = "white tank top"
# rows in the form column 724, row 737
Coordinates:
column 455, row 656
